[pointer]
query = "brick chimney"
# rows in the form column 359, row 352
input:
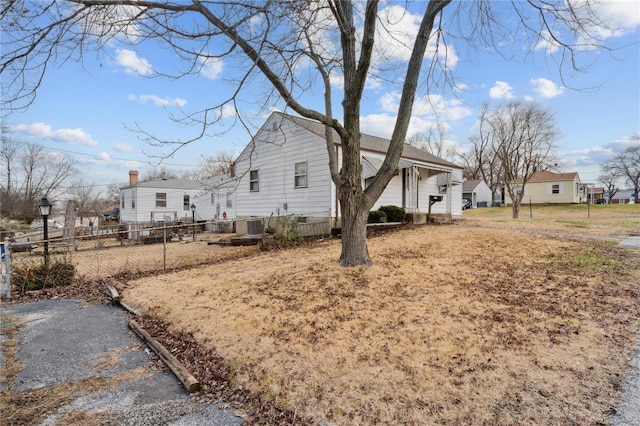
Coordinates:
column 133, row 177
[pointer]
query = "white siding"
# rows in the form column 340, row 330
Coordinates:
column 274, row 154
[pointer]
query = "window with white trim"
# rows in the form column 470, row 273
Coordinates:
column 186, row 204
column 300, row 177
column 254, row 181
column 229, row 200
column 555, row 188
column 161, row 199
column 122, row 201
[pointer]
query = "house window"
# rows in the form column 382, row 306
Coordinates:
column 229, row 200
column 161, row 199
column 122, row 201
column 254, row 182
column 555, row 188
column 185, row 203
column 301, row 175
column 133, row 202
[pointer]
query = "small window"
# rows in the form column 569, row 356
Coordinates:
column 186, row 205
column 555, row 189
column 229, row 200
column 133, row 202
column 122, row 201
column 161, row 199
column 254, row 182
column 301, row 175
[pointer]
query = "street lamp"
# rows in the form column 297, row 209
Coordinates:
column 45, row 209
column 193, row 220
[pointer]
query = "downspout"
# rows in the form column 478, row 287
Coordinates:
column 449, row 193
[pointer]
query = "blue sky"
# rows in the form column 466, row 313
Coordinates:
column 88, row 110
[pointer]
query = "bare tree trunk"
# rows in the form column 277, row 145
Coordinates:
column 354, row 232
column 516, row 209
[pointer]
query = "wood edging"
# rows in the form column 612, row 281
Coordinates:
column 190, row 383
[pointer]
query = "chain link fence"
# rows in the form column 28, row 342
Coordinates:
column 134, row 249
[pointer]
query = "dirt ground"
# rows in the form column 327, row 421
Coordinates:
column 487, row 321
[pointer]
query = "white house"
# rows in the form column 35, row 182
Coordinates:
column 284, row 170
column 477, row 191
column 170, row 200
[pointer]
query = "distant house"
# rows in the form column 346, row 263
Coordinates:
column 478, row 192
column 624, row 196
column 546, row 187
column 170, row 200
column 284, row 171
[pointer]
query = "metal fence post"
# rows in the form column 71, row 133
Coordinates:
column 7, row 278
column 164, row 248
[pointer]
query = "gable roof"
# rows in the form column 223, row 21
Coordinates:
column 470, row 185
column 547, row 176
column 369, row 142
column 168, row 184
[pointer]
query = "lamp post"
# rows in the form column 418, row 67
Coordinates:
column 193, row 220
column 45, row 209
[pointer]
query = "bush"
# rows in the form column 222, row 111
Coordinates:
column 394, row 213
column 377, row 216
column 35, row 276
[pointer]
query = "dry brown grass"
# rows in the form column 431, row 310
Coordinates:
column 450, row 325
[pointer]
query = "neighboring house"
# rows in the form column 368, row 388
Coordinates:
column 624, row 196
column 478, row 192
column 546, row 187
column 284, row 170
column 170, row 200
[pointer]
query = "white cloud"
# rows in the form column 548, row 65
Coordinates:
column 123, row 147
column 621, row 15
column 211, row 67
column 395, row 38
column 227, row 111
column 546, row 88
column 380, row 125
column 157, row 100
column 390, row 101
column 103, row 156
column 501, row 90
column 67, row 136
column 336, row 80
column 547, row 43
column 132, row 63
column 444, row 109
column 432, row 106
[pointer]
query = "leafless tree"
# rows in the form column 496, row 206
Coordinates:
column 8, row 153
column 626, row 165
column 436, row 142
column 471, row 166
column 484, row 155
column 160, row 172
column 278, row 43
column 521, row 137
column 610, row 178
column 213, row 165
column 88, row 198
column 34, row 173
